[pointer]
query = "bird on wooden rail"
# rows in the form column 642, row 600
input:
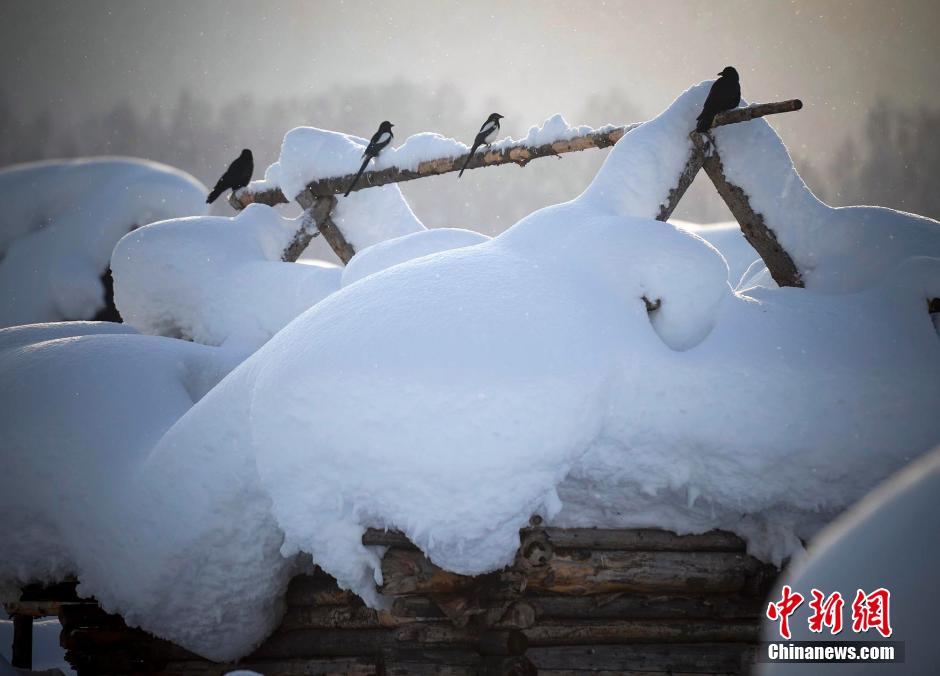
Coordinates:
column 485, row 136
column 238, row 175
column 725, row 94
column 377, row 144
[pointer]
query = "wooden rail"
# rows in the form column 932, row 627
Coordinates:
column 515, row 153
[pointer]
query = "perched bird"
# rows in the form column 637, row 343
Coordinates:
column 379, row 140
column 238, row 175
column 486, row 134
column 725, row 94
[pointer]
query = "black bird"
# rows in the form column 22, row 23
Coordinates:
column 486, row 134
column 238, row 175
column 725, row 94
column 377, row 144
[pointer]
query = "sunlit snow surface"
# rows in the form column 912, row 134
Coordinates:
column 216, row 280
column 452, row 388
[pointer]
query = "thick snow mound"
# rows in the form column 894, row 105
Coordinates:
column 417, row 149
column 555, row 128
column 446, row 389
column 725, row 435
column 371, row 216
column 212, row 541
column 662, row 258
column 729, row 240
column 485, row 361
column 837, row 250
column 60, row 221
column 646, row 163
column 216, row 280
column 309, row 154
column 405, row 248
column 888, row 540
column 26, row 334
column 92, row 398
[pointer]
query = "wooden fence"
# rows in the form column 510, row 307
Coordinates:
column 319, row 197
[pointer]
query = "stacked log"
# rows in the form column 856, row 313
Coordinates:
column 325, row 630
column 574, row 601
column 414, row 636
column 591, row 600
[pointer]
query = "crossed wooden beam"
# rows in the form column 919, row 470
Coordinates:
column 319, row 197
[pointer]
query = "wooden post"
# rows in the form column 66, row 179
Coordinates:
column 758, row 234
column 692, row 166
column 316, row 220
column 22, row 653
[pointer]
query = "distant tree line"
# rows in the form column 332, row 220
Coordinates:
column 890, row 165
column 894, row 164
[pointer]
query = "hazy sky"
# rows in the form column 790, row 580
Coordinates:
column 539, row 57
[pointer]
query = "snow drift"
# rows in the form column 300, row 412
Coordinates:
column 452, row 391
column 405, row 248
column 216, row 280
column 735, row 249
column 83, row 404
column 61, row 220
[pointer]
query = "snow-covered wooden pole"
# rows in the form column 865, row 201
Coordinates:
column 316, row 220
column 516, row 153
column 689, row 172
column 757, row 232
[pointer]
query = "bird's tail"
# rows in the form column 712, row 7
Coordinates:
column 214, row 195
column 469, row 157
column 352, row 185
column 704, row 123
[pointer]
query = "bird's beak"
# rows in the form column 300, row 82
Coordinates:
column 717, row 73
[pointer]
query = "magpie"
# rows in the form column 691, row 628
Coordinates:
column 238, row 175
column 377, row 144
column 486, row 134
column 725, row 94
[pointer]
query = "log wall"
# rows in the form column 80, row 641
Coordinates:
column 575, row 601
